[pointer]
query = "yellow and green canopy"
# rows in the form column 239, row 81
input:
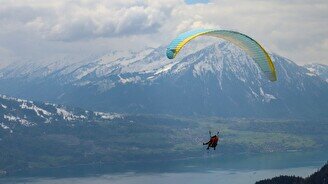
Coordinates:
column 249, row 45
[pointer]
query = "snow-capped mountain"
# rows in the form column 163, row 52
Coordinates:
column 219, row 79
column 318, row 69
column 16, row 112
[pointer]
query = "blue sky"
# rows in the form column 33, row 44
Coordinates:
column 196, row 1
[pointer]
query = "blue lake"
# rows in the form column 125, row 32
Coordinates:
column 208, row 169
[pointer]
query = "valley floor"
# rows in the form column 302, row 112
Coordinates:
column 149, row 138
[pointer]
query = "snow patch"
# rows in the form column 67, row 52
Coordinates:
column 311, row 70
column 11, row 98
column 18, row 119
column 255, row 94
column 109, row 116
column 266, row 97
column 84, row 72
column 25, row 122
column 4, row 126
column 164, row 68
column 10, row 117
column 311, row 74
column 202, row 68
column 130, row 80
column 36, row 109
column 68, row 115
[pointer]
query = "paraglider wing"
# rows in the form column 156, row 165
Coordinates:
column 249, row 45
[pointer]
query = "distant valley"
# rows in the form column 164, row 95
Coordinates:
column 37, row 135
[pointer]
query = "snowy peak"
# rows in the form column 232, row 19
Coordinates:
column 217, row 79
column 148, row 65
column 148, row 61
column 219, row 59
column 320, row 70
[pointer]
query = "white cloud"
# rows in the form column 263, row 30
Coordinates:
column 294, row 28
column 76, row 20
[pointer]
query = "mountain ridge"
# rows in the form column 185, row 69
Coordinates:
column 219, row 79
column 18, row 112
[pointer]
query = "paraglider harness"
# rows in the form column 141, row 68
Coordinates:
column 213, row 142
